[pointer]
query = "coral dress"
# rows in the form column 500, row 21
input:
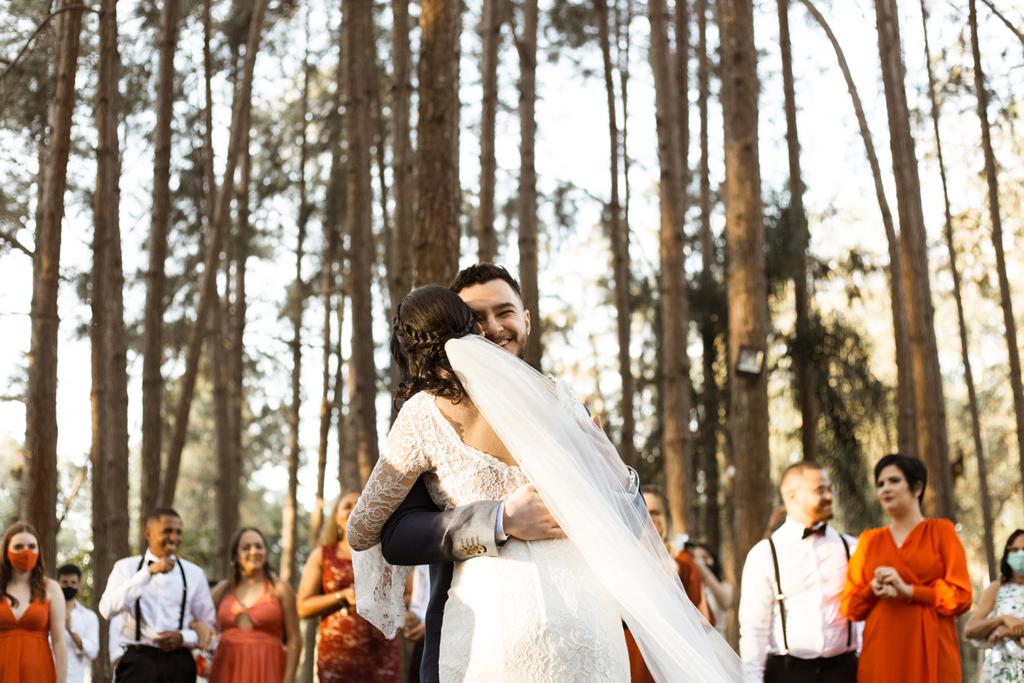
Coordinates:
column 351, row 649
column 250, row 655
column 915, row 641
column 25, row 655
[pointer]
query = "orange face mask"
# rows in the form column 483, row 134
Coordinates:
column 24, row 561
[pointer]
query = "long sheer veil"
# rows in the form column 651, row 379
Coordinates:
column 586, row 486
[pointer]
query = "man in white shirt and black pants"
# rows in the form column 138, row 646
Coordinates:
column 81, row 628
column 791, row 628
column 157, row 595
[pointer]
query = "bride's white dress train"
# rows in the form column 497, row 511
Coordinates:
column 536, row 612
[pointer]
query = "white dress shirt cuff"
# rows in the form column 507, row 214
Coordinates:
column 500, row 537
column 189, row 639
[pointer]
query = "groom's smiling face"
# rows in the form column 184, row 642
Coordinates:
column 500, row 315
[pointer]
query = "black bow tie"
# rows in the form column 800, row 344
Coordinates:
column 818, row 530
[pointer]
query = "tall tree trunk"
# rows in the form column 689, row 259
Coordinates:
column 986, row 500
column 153, row 334
column 748, row 296
column 348, row 462
column 1009, row 322
column 906, row 420
column 804, row 377
column 109, row 349
column 400, row 258
column 438, row 194
column 675, row 382
column 708, row 447
column 527, row 47
column 358, row 18
column 39, row 498
column 620, row 247
column 932, row 444
column 227, row 477
column 218, row 227
column 490, row 34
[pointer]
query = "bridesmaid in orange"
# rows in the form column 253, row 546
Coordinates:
column 32, row 611
column 260, row 640
column 908, row 581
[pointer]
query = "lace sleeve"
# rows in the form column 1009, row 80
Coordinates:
column 380, row 587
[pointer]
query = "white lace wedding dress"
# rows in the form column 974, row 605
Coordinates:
column 536, row 612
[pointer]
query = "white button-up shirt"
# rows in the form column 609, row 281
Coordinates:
column 86, row 626
column 159, row 597
column 813, row 573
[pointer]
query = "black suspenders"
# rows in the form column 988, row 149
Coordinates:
column 781, row 598
column 181, row 613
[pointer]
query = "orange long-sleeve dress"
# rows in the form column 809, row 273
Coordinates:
column 915, row 641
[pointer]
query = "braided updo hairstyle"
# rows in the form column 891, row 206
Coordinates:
column 427, row 318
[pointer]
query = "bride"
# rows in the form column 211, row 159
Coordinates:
column 480, row 423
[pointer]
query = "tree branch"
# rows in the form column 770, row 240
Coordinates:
column 39, row 29
column 1006, row 21
column 13, row 241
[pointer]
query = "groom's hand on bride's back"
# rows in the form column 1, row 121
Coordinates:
column 527, row 518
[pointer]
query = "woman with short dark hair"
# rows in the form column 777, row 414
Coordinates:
column 908, row 582
column 998, row 620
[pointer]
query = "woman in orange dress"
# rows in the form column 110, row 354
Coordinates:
column 908, row 582
column 260, row 640
column 32, row 611
column 350, row 649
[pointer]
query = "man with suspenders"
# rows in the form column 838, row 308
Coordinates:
column 156, row 595
column 791, row 628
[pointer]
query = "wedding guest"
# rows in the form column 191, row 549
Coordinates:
column 908, row 582
column 260, row 640
column 157, row 594
column 32, row 611
column 350, row 648
column 998, row 620
column 791, row 627
column 81, row 626
column 717, row 589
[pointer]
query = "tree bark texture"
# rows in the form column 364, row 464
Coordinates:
column 490, row 34
column 39, row 500
column 527, row 47
column 675, row 363
column 438, row 194
column 906, row 412
column 930, row 416
column 1009, row 322
column 153, row 336
column 109, row 349
column 400, row 257
column 358, row 17
column 804, row 369
column 972, row 400
column 218, row 228
column 748, row 296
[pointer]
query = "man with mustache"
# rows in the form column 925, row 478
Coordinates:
column 791, row 629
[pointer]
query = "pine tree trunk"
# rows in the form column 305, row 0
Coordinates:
column 227, row 477
column 1009, row 322
column 905, row 400
column 218, row 227
column 400, row 257
column 358, row 19
column 675, row 386
column 39, row 499
column 109, row 349
column 490, row 34
column 748, row 296
column 438, row 194
column 527, row 47
column 932, row 444
column 802, row 357
column 153, row 336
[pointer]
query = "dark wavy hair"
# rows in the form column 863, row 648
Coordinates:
column 236, row 569
column 481, row 274
column 1006, row 573
column 428, row 317
column 37, row 578
column 913, row 471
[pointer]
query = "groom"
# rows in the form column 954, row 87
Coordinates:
column 419, row 532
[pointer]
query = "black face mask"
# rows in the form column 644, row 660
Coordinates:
column 69, row 592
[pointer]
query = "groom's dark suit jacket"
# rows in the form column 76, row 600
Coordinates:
column 419, row 532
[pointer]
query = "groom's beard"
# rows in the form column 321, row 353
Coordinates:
column 521, row 353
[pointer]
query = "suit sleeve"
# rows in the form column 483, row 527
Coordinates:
column 858, row 600
column 419, row 532
column 951, row 595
